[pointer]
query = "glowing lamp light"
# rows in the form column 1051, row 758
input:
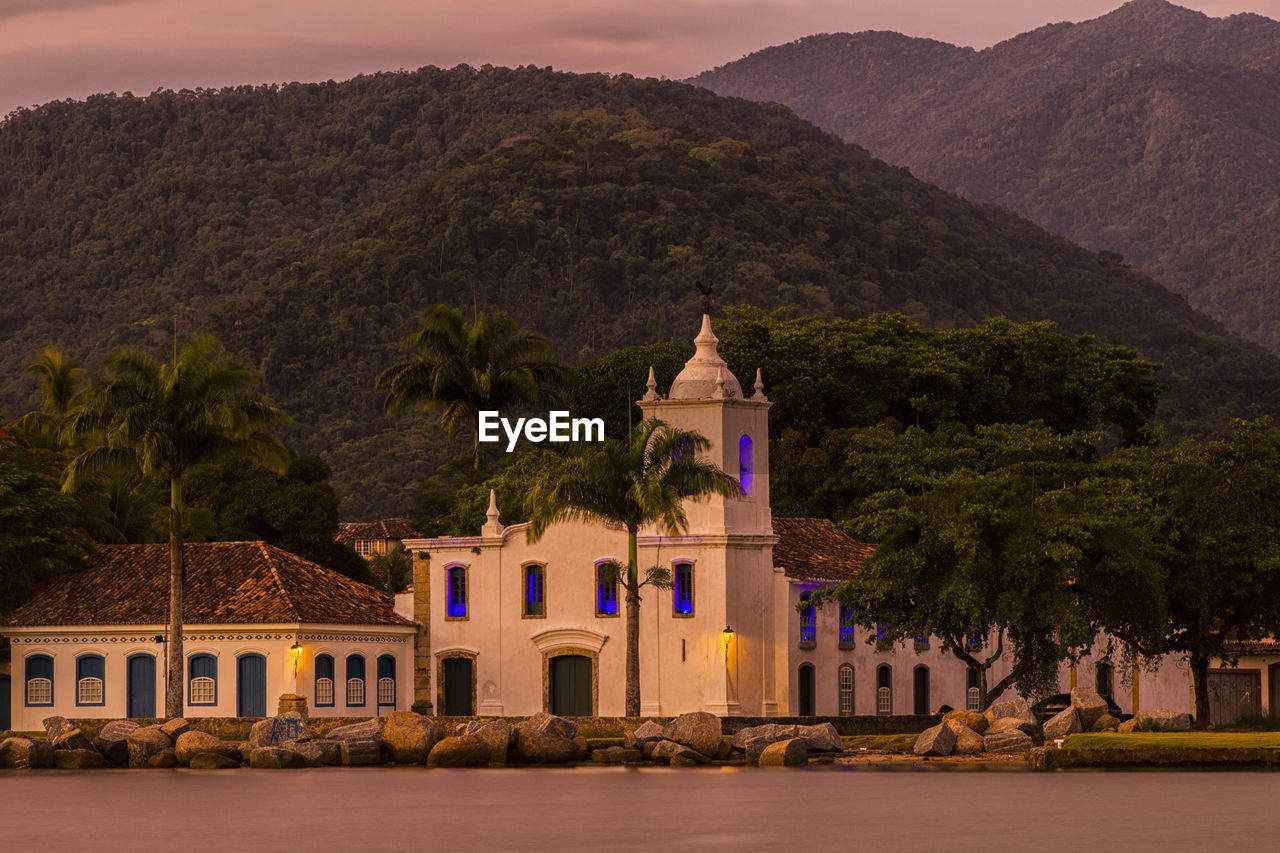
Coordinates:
column 727, row 634
column 296, row 651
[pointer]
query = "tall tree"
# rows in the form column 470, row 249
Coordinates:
column 637, row 481
column 60, row 381
column 463, row 367
column 168, row 421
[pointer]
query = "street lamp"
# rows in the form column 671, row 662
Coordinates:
column 727, row 634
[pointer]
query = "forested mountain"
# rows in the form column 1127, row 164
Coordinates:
column 308, row 225
column 1152, row 132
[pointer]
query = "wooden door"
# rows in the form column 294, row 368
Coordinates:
column 141, row 687
column 251, row 686
column 1233, row 694
column 458, row 680
column 571, row 686
column 806, row 691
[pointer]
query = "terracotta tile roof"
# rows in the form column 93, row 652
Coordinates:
column 387, row 528
column 227, row 582
column 813, row 549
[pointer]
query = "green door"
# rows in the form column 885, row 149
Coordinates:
column 571, row 686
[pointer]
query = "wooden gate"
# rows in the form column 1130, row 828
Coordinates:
column 1233, row 693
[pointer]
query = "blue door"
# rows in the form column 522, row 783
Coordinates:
column 142, row 687
column 251, row 686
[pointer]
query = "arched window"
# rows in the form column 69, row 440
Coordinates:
column 746, row 466
column 324, row 681
column 682, row 592
column 355, row 680
column 39, row 680
column 386, row 681
column 456, row 594
column 808, row 622
column 884, row 690
column 1104, row 679
column 847, row 624
column 920, row 690
column 846, row 689
column 606, row 589
column 91, row 674
column 972, row 696
column 535, row 589
column 202, row 680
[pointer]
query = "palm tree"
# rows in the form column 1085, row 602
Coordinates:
column 167, row 421
column 466, row 367
column 641, row 480
column 59, row 379
column 393, row 569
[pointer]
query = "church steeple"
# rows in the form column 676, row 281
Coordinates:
column 701, row 374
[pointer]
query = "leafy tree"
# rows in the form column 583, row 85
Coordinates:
column 466, row 367
column 1001, row 535
column 60, row 381
column 39, row 536
column 640, row 480
column 393, row 570
column 608, row 387
column 168, row 421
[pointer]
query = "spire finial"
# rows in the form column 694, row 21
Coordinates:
column 492, row 527
column 719, row 392
column 759, row 395
column 652, row 385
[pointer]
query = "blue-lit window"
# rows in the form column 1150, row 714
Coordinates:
column 355, row 680
column 847, row 624
column 456, row 595
column 535, row 584
column 746, row 466
column 882, row 631
column 682, row 593
column 324, row 681
column 808, row 621
column 39, row 680
column 202, row 680
column 91, row 674
column 922, row 642
column 606, row 590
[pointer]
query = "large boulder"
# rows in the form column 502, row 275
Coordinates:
column 1066, row 722
column 548, row 724
column 968, row 742
column 1105, row 723
column 774, row 731
column 698, row 730
column 78, row 759
column 970, row 719
column 1015, row 707
column 408, row 737
column 146, row 743
column 669, row 751
column 792, row 752
column 1089, row 705
column 497, row 734
column 361, row 750
column 1027, row 727
column 460, row 751
column 274, row 731
column 821, row 738
column 938, row 740
column 175, row 728
column 276, row 758
column 193, row 743
column 315, row 754
column 212, row 761
column 616, row 755
column 1163, row 720
column 371, row 726
column 64, row 734
column 647, row 732
column 20, row 753
column 756, row 746
column 1128, row 726
column 1011, row 739
column 541, row 746
column 163, row 758
column 113, row 741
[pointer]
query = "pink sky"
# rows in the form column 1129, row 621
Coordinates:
column 51, row 49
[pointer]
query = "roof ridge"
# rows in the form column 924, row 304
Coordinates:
column 271, row 563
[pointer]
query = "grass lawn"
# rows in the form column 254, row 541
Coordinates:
column 880, row 743
column 1175, row 740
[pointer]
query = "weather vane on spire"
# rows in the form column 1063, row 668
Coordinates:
column 705, row 289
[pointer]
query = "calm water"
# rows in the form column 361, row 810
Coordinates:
column 656, row 809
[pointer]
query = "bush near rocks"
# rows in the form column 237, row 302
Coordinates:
column 939, row 740
column 792, row 752
column 698, row 730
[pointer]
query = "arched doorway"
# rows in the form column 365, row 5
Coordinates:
column 805, row 690
column 920, row 692
column 457, row 683
column 140, row 677
column 251, row 686
column 570, row 687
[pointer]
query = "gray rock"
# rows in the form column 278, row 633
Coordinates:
column 1016, row 707
column 64, row 734
column 146, row 743
column 175, row 728
column 549, row 724
column 1027, row 727
column 243, row 747
column 774, row 731
column 939, row 740
column 663, row 750
column 372, row 726
column 409, row 737
column 78, row 759
column 972, row 720
column 1162, row 719
column 697, row 730
column 191, row 744
column 1105, row 723
column 459, row 751
column 668, row 750
column 1128, row 726
column 792, row 752
column 212, row 761
column 1089, row 705
column 276, row 758
column 537, row 746
column 497, row 735
column 361, row 750
column 968, row 742
column 113, row 741
column 617, row 755
column 163, row 758
column 330, row 750
column 273, row 731
column 20, row 753
column 756, row 746
column 821, row 738
column 647, row 732
column 1067, row 722
column 1011, row 739
column 312, row 752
